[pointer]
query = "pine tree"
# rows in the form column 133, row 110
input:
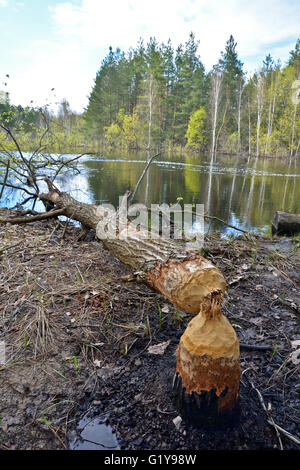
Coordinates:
column 159, row 91
column 189, row 86
column 295, row 58
column 233, row 84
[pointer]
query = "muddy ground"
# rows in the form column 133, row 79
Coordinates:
column 77, row 336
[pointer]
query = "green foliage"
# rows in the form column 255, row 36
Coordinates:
column 122, row 133
column 232, row 143
column 154, row 95
column 113, row 134
column 157, row 87
column 130, row 126
column 196, row 131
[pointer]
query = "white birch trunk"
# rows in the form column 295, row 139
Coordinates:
column 271, row 110
column 216, row 88
column 150, row 110
column 239, row 114
column 249, row 128
column 259, row 110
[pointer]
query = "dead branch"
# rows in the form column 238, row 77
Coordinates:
column 5, row 178
column 34, row 218
column 142, row 176
column 212, row 217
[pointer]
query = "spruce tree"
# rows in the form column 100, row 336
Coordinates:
column 233, row 82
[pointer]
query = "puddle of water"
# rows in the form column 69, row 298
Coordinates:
column 94, row 435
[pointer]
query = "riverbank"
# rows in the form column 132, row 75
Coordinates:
column 79, row 345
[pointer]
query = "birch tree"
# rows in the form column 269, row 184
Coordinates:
column 259, row 106
column 216, row 86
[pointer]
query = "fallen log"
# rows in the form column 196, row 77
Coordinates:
column 285, row 223
column 206, row 384
column 183, row 276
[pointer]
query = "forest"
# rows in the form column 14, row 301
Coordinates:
column 154, row 97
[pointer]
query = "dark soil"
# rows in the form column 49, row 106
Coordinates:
column 77, row 335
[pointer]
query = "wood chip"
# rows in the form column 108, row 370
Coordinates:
column 158, row 348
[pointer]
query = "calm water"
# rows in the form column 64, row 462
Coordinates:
column 243, row 193
column 94, row 435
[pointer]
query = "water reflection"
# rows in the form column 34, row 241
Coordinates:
column 95, row 434
column 244, row 192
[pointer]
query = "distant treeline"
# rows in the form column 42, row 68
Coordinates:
column 156, row 97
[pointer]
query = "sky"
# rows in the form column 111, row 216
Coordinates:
column 46, row 44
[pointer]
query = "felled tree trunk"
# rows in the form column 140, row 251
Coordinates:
column 285, row 223
column 206, row 382
column 184, row 277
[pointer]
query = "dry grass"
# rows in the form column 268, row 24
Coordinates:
column 64, row 313
column 55, row 289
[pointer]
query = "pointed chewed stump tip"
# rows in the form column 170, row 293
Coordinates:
column 206, row 382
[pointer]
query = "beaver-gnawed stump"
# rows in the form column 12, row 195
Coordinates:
column 207, row 378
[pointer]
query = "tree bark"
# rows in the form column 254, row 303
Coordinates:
column 183, row 276
column 285, row 223
column 206, row 383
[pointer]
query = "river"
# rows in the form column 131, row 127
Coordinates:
column 243, row 192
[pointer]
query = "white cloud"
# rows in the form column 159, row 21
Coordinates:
column 255, row 25
column 83, row 31
column 63, row 67
column 18, row 6
column 3, row 3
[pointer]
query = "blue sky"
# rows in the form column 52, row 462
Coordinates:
column 60, row 44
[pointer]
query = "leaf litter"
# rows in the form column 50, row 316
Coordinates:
column 60, row 299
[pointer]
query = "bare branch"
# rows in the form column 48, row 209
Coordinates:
column 66, row 163
column 8, row 131
column 142, row 176
column 34, row 218
column 206, row 216
column 9, row 185
column 24, row 160
column 47, row 130
column 5, row 178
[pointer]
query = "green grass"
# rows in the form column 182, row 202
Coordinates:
column 60, row 373
column 161, row 318
column 75, row 360
column 274, row 352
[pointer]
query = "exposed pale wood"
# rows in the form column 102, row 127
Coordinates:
column 207, row 376
column 206, row 384
column 184, row 277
